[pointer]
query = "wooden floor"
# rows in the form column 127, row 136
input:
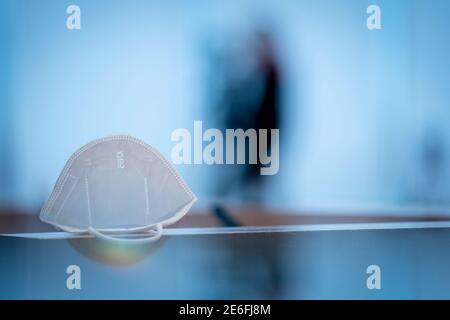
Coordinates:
column 14, row 221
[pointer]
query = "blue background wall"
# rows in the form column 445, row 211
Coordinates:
column 360, row 105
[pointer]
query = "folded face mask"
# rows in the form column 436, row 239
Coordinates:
column 115, row 186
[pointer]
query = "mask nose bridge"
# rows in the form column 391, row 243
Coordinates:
column 71, row 181
column 156, row 192
column 145, row 170
column 146, row 190
column 87, row 168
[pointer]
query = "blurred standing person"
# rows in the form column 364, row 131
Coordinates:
column 267, row 113
column 249, row 84
column 434, row 162
column 250, row 99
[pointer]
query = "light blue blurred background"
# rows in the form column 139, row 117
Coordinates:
column 366, row 113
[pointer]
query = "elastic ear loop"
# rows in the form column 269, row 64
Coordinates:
column 154, row 235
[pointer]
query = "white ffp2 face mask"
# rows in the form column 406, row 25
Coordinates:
column 117, row 185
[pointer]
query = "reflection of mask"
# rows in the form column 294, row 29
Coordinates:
column 117, row 185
